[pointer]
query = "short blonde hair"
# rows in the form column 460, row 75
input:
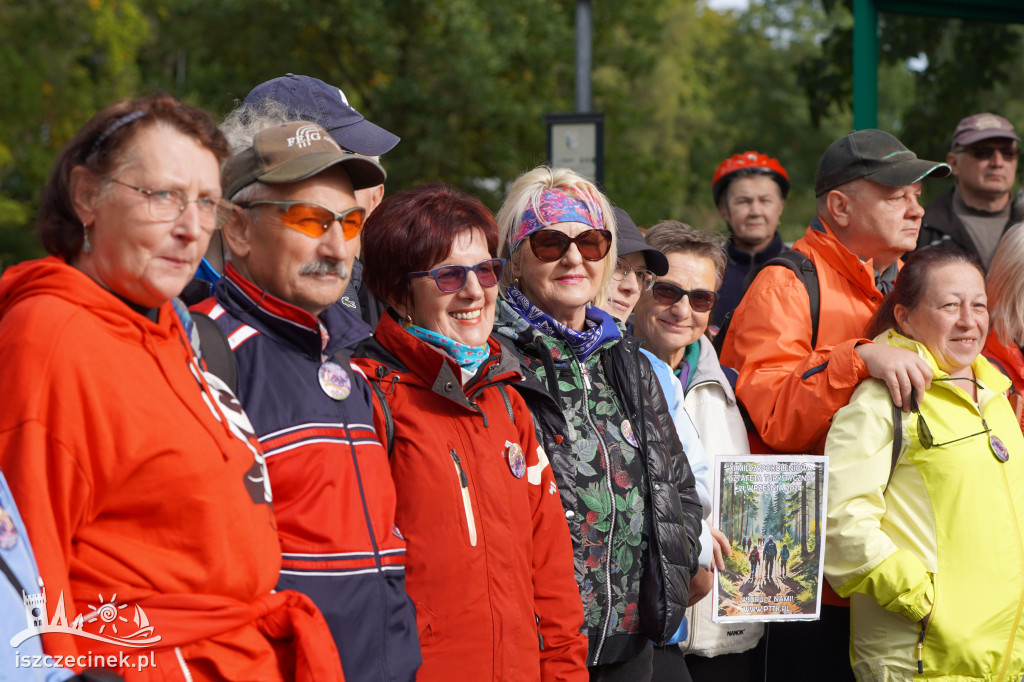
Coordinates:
column 525, row 193
column 1004, row 285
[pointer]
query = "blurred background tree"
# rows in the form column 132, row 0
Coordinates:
column 466, row 84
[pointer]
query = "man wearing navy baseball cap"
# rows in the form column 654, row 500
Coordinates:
column 310, row 99
column 304, row 98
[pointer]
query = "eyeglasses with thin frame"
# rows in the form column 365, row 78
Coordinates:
column 551, row 245
column 644, row 277
column 924, row 433
column 985, row 152
column 452, row 278
column 314, row 220
column 701, row 300
column 168, row 204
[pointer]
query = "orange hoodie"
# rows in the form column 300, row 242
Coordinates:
column 132, row 484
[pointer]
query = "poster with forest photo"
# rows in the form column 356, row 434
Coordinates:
column 772, row 508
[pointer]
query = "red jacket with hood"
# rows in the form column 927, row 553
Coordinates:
column 139, row 481
column 489, row 563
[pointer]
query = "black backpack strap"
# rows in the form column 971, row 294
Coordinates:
column 11, row 578
column 385, row 408
column 216, row 351
column 897, row 440
column 803, row 268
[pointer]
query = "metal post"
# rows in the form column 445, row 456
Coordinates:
column 865, row 64
column 584, row 55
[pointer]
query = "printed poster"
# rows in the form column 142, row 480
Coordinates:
column 772, row 508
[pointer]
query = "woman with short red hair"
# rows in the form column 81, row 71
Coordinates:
column 489, row 561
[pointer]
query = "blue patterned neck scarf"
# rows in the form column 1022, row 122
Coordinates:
column 599, row 325
column 469, row 358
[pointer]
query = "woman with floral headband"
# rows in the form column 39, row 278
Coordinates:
column 625, row 485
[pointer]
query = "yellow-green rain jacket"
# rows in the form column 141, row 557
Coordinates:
column 944, row 538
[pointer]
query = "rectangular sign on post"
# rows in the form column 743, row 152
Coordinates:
column 576, row 141
column 772, row 508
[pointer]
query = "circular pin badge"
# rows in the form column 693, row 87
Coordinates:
column 627, row 433
column 8, row 533
column 998, row 448
column 334, row 380
column 516, row 459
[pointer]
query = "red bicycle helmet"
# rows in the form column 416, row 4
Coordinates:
column 755, row 162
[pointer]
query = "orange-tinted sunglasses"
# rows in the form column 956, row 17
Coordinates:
column 313, row 220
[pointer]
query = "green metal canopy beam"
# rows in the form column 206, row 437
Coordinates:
column 865, row 39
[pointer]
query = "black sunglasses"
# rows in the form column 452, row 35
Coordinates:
column 551, row 245
column 924, row 433
column 452, row 278
column 666, row 293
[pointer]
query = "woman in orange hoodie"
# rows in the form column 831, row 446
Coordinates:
column 137, row 474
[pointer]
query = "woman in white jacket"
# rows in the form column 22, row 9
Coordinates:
column 672, row 319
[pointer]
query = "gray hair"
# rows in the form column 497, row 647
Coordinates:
column 249, row 118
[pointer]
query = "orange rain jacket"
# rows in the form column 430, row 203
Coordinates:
column 790, row 389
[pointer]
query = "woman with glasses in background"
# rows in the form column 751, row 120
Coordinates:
column 925, row 515
column 489, row 563
column 627, row 490
column 672, row 319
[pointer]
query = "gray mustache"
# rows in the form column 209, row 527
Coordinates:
column 322, row 267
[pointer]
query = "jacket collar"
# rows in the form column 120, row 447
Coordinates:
column 287, row 322
column 709, row 369
column 822, row 240
column 774, row 248
column 994, row 381
column 436, row 370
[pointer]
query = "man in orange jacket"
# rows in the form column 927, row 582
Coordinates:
column 868, row 185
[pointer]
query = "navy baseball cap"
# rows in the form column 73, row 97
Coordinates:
column 313, row 100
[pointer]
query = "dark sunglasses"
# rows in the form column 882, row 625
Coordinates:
column 985, row 152
column 551, row 245
column 924, row 434
column 452, row 278
column 701, row 300
column 313, row 220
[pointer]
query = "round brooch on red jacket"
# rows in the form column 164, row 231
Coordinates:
column 334, row 380
column 516, row 458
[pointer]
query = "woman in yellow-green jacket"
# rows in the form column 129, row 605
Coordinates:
column 929, row 548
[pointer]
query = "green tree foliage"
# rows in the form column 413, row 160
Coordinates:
column 467, row 83
column 962, row 67
column 61, row 62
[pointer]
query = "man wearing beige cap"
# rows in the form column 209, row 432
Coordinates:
column 978, row 209
column 290, row 239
